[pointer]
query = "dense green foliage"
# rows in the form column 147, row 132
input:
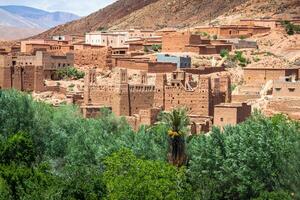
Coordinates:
column 69, row 72
column 53, row 153
column 125, row 178
column 244, row 161
column 237, row 57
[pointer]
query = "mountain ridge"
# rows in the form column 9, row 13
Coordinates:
column 157, row 14
column 28, row 17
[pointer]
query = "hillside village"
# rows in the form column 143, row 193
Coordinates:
column 151, row 100
column 220, row 73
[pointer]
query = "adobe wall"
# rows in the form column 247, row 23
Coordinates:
column 136, row 47
column 231, row 114
column 243, row 112
column 197, row 101
column 225, row 116
column 159, row 95
column 257, row 76
column 93, row 57
column 244, row 98
column 160, row 67
column 286, row 89
column 53, row 62
column 175, row 41
column 145, row 65
column 141, row 97
column 5, row 72
column 28, row 78
column 132, row 64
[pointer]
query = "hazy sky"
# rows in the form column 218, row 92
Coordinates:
column 79, row 7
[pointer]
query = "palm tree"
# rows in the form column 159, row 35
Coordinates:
column 177, row 121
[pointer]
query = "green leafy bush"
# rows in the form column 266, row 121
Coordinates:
column 156, row 47
column 69, row 72
column 224, row 53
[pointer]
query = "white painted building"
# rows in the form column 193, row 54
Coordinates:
column 113, row 39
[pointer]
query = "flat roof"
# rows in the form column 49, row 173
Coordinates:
column 271, row 68
column 230, row 105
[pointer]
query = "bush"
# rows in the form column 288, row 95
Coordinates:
column 70, row 72
column 224, row 53
column 242, row 37
column 156, row 47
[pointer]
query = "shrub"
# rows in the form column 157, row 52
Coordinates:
column 156, row 47
column 242, row 37
column 224, row 53
column 70, row 72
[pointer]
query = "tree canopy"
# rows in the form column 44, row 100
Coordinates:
column 54, row 153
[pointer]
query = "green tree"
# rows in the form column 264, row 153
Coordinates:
column 261, row 154
column 4, row 190
column 177, row 121
column 18, row 149
column 127, row 177
column 276, row 195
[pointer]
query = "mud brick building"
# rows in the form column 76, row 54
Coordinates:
column 22, row 77
column 273, row 23
column 28, row 72
column 286, row 87
column 144, row 64
column 233, row 31
column 142, row 44
column 123, row 99
column 49, row 62
column 32, row 46
column 141, row 102
column 231, row 113
column 182, row 61
column 137, row 33
column 188, row 42
column 259, row 76
column 95, row 56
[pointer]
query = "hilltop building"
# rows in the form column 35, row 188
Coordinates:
column 188, row 42
column 233, row 31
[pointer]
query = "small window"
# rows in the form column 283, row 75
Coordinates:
column 221, row 119
column 291, row 89
column 277, row 89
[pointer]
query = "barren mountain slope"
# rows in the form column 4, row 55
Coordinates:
column 102, row 18
column 157, row 14
column 260, row 8
column 177, row 13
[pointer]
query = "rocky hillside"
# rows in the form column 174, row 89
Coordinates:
column 103, row 18
column 175, row 13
